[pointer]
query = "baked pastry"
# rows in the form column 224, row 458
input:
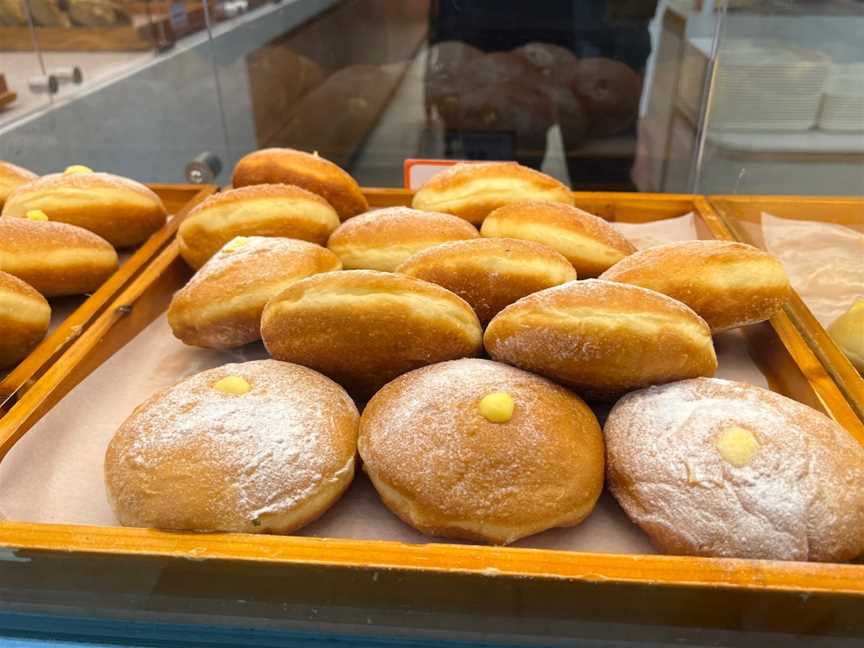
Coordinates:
column 553, row 63
column 384, row 238
column 729, row 284
column 47, row 13
column 306, row 170
column 221, row 305
column 590, row 243
column 263, row 210
column 602, row 338
column 98, row 13
column 473, row 190
column 444, row 81
column 55, row 258
column 12, row 13
column 12, row 176
column 120, row 210
column 255, row 447
column 363, row 328
column 478, row 450
column 490, row 274
column 24, row 319
column 848, row 332
column 717, row 468
column 610, row 91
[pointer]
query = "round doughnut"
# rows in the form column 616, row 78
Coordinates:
column 490, row 274
column 472, row 190
column 729, row 284
column 610, row 91
column 384, row 238
column 221, row 305
column 255, row 447
column 363, row 327
column 590, row 243
column 120, row 210
column 482, row 451
column 717, row 468
column 261, row 210
column 848, row 332
column 24, row 319
column 11, row 177
column 602, row 338
column 306, row 170
column 55, row 258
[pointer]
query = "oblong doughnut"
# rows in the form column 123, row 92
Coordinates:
column 24, row 319
column 11, row 177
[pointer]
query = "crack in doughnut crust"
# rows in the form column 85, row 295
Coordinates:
column 120, row 210
column 794, row 495
column 384, row 238
column 490, row 273
column 24, row 319
column 56, row 259
column 221, row 306
column 602, row 338
column 11, row 177
column 445, row 469
column 305, row 170
column 588, row 242
column 729, row 284
column 473, row 190
column 261, row 210
column 266, row 459
column 363, row 327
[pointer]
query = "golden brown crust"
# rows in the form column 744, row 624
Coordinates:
column 120, row 210
column 306, row 170
column 473, row 190
column 260, row 210
column 795, row 494
column 446, row 470
column 590, row 243
column 383, row 238
column 729, row 284
column 363, row 328
column 55, row 258
column 602, row 338
column 490, row 274
column 221, row 306
column 11, row 177
column 266, row 461
column 24, row 319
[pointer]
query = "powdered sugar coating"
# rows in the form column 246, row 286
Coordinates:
column 798, row 498
column 193, row 457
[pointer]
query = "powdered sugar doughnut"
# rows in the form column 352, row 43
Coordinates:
column 24, row 319
column 257, row 447
column 483, row 451
column 716, row 468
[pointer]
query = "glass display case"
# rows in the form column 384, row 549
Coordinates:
column 673, row 122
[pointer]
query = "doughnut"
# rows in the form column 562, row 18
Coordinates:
column 221, row 305
column 590, row 243
column 254, row 447
column 602, row 338
column 477, row 450
column 56, row 259
column 384, row 238
column 490, row 274
column 717, row 468
column 11, row 177
column 848, row 332
column 472, row 190
column 610, row 91
column 363, row 328
column 555, row 64
column 729, row 284
column 120, row 210
column 260, row 210
column 24, row 319
column 306, row 170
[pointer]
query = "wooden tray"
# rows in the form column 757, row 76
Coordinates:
column 178, row 200
column 289, row 580
column 735, row 210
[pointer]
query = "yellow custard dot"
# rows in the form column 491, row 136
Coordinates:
column 497, row 407
column 232, row 385
column 236, row 243
column 36, row 214
column 77, row 168
column 737, row 445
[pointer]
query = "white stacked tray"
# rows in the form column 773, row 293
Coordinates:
column 843, row 103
